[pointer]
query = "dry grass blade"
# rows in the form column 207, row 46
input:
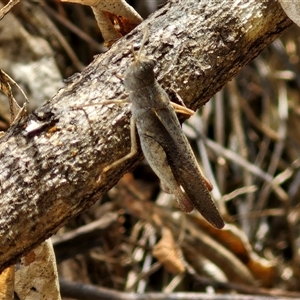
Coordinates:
column 6, row 9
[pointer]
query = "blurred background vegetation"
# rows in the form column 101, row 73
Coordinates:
column 247, row 138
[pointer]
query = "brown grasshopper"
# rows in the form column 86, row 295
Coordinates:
column 163, row 143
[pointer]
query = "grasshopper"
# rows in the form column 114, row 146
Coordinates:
column 163, row 143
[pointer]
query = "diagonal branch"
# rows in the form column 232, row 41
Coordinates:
column 51, row 162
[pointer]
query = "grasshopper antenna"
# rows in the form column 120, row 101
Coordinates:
column 138, row 55
column 145, row 37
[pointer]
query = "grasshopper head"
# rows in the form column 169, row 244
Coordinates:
column 140, row 74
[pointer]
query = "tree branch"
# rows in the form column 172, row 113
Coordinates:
column 52, row 161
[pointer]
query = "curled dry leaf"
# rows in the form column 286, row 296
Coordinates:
column 262, row 269
column 115, row 18
column 236, row 241
column 166, row 252
column 292, row 9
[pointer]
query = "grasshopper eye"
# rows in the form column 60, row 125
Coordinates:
column 147, row 65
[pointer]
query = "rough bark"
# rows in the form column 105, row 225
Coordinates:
column 51, row 174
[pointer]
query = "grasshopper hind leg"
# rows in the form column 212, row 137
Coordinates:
column 157, row 160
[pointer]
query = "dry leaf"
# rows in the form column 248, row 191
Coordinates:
column 7, row 283
column 115, row 18
column 292, row 9
column 15, row 110
column 262, row 269
column 166, row 252
column 37, row 277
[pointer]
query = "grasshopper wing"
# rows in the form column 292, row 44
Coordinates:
column 158, row 161
column 186, row 169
